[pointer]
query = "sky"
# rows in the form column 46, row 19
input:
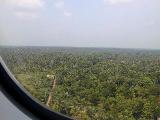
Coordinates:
column 80, row 23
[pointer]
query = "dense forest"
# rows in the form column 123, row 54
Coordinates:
column 91, row 83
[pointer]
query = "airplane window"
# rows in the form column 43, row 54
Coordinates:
column 89, row 60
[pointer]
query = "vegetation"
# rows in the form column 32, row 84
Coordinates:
column 91, row 83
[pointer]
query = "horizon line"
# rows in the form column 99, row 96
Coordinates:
column 102, row 47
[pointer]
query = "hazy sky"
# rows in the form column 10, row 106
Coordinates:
column 80, row 23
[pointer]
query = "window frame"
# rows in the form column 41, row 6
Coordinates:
column 22, row 99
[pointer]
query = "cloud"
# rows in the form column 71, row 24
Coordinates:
column 113, row 2
column 28, row 4
column 150, row 23
column 24, row 9
column 61, row 6
column 67, row 14
column 25, row 15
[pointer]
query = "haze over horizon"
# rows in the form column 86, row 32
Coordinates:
column 91, row 23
